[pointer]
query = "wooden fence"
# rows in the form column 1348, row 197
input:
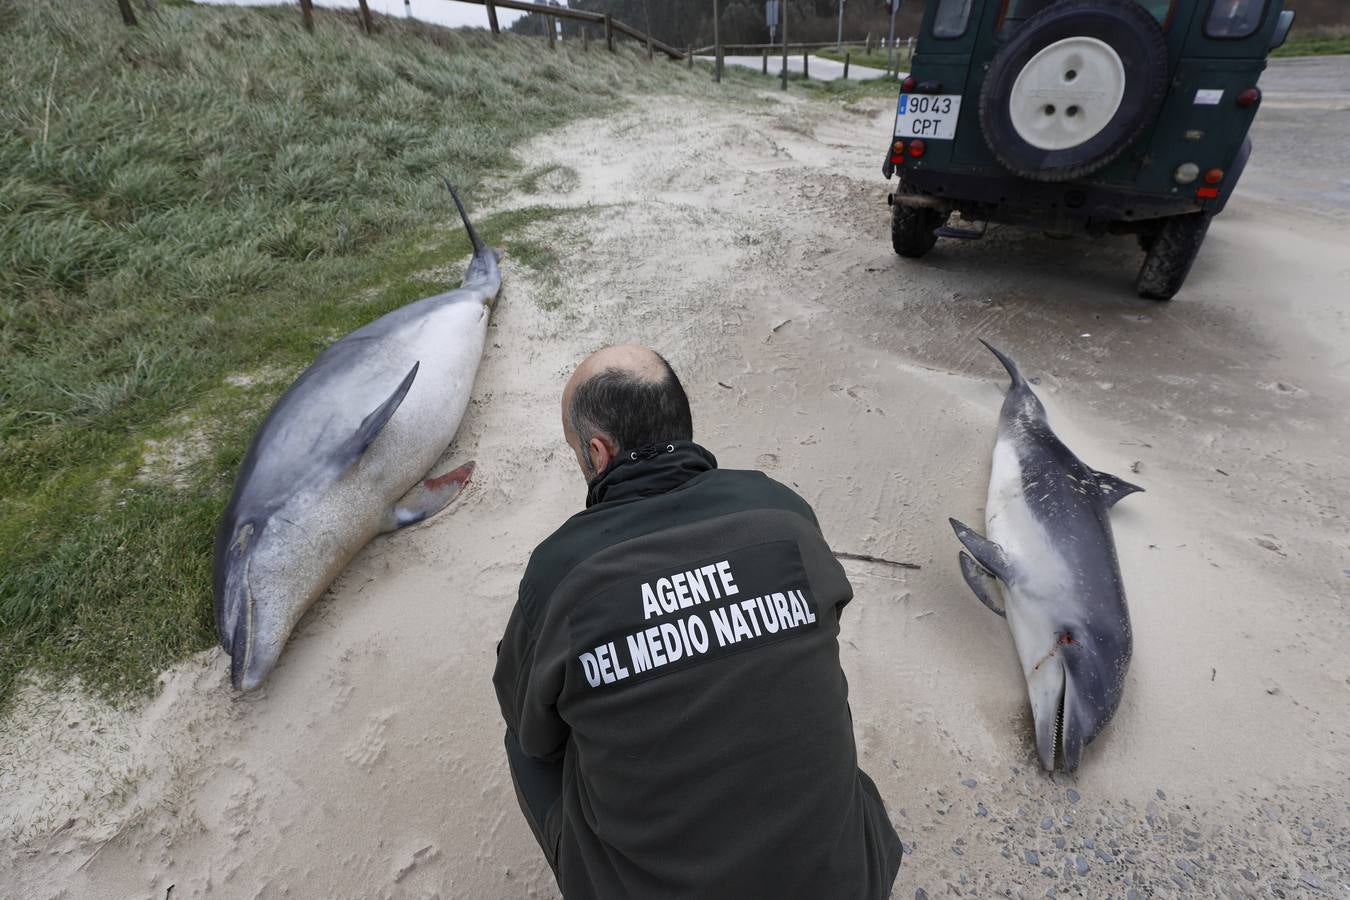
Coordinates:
column 608, row 23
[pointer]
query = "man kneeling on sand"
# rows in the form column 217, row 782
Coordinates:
column 677, row 721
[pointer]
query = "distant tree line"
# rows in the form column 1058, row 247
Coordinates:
column 682, row 23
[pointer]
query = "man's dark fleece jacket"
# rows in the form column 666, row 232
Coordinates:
column 675, row 647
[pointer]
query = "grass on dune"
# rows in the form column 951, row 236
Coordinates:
column 1325, row 41
column 858, row 56
column 189, row 211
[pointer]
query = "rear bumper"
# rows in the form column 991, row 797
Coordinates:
column 1000, row 197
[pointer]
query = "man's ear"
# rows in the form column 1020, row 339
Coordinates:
column 603, row 451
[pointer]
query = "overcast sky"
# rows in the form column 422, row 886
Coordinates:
column 444, row 12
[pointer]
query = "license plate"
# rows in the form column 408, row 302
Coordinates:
column 927, row 116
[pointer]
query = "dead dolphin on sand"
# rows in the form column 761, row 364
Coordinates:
column 1050, row 550
column 343, row 456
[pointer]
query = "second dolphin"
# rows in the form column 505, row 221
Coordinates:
column 1051, row 552
column 343, row 455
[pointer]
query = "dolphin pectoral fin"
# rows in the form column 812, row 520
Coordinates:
column 1114, row 488
column 371, row 426
column 982, row 583
column 985, row 551
column 428, row 497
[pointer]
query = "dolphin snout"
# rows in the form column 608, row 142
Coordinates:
column 252, row 658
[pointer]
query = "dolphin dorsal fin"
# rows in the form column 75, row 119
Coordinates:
column 982, row 583
column 1114, row 488
column 985, row 551
column 373, row 424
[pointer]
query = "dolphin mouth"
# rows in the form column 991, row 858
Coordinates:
column 1060, row 751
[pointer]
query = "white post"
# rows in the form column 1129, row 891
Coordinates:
column 839, row 38
column 890, row 44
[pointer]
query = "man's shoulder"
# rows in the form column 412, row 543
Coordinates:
column 756, row 489
column 714, row 493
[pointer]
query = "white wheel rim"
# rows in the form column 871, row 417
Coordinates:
column 1065, row 95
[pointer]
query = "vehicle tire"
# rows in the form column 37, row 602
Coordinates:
column 1170, row 256
column 914, row 229
column 1075, row 85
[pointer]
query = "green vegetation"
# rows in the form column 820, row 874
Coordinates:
column 858, row 56
column 189, row 211
column 1325, row 41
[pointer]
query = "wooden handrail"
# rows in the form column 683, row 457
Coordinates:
column 561, row 12
column 579, row 15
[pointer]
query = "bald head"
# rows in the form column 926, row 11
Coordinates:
column 619, row 399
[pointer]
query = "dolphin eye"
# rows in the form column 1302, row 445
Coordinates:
column 1066, row 637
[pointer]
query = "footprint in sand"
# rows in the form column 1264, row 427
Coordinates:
column 368, row 749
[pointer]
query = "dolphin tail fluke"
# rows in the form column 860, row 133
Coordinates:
column 478, row 246
column 985, row 551
column 1017, row 380
column 982, row 583
column 428, row 497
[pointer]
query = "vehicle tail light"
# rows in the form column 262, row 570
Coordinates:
column 1214, row 176
column 917, row 147
column 909, row 84
column 1186, row 173
column 1250, row 97
column 897, row 153
column 1207, row 193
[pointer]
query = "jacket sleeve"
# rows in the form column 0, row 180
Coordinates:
column 528, row 683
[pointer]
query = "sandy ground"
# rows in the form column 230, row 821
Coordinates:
column 749, row 243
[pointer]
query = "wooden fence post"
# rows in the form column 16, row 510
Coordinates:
column 585, row 38
column 689, row 57
column 764, row 62
column 307, row 13
column 128, row 14
column 492, row 17
column 806, row 65
column 609, row 32
column 552, row 26
column 868, row 51
column 846, row 58
column 717, row 41
column 649, row 48
column 365, row 17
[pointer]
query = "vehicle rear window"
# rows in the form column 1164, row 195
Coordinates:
column 1015, row 12
column 1234, row 18
column 951, row 17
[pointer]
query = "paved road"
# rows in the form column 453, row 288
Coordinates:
column 821, row 68
column 1300, row 135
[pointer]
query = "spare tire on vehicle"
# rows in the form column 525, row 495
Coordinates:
column 1075, row 85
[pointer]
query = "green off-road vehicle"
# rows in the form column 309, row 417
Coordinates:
column 1096, row 116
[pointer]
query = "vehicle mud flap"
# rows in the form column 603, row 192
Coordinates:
column 1073, row 88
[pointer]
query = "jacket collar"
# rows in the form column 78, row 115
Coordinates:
column 650, row 470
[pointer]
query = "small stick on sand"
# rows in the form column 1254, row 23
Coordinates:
column 863, row 557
